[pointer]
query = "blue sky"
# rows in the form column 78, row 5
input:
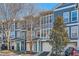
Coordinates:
column 47, row 6
column 42, row 6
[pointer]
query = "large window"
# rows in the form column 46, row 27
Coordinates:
column 23, row 35
column 51, row 18
column 48, row 33
column 33, row 34
column 44, row 33
column 12, row 35
column 41, row 20
column 37, row 33
column 44, row 19
column 66, row 17
column 74, row 32
column 41, row 33
column 74, row 16
column 47, row 19
column 12, row 27
column 17, row 34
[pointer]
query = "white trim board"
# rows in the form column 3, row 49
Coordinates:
column 72, row 24
column 67, row 15
column 71, row 15
column 65, row 7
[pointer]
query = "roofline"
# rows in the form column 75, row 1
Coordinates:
column 64, row 7
column 57, row 6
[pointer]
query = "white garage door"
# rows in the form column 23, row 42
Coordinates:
column 46, row 46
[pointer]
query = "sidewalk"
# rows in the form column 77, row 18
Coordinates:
column 11, row 53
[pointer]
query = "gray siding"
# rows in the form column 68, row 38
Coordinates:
column 60, row 13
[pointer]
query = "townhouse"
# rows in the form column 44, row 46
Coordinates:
column 20, row 35
column 39, row 34
column 32, row 32
column 70, row 14
column 46, row 24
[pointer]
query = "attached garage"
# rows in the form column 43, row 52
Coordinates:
column 46, row 46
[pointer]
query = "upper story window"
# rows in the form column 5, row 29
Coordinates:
column 42, row 33
column 42, row 20
column 17, row 25
column 52, row 18
column 74, row 31
column 66, row 17
column 74, row 16
column 12, row 27
column 12, row 35
column 17, row 34
column 48, row 33
column 37, row 33
column 33, row 34
column 0, row 28
column 48, row 19
column 23, row 34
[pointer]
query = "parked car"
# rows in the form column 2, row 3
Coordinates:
column 71, row 52
column 68, row 51
column 75, row 52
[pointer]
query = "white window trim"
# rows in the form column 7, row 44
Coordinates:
column 64, row 7
column 71, row 15
column 68, row 17
column 77, row 32
column 46, row 17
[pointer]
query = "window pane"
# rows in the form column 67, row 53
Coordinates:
column 66, row 17
column 41, row 33
column 44, row 33
column 74, row 16
column 42, row 20
column 22, row 35
column 17, row 34
column 12, row 35
column 74, row 33
column 33, row 34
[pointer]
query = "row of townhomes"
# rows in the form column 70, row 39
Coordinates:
column 32, row 32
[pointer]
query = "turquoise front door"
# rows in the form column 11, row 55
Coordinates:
column 22, row 46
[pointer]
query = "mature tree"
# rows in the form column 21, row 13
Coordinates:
column 31, row 11
column 9, row 11
column 58, row 36
column 14, row 9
